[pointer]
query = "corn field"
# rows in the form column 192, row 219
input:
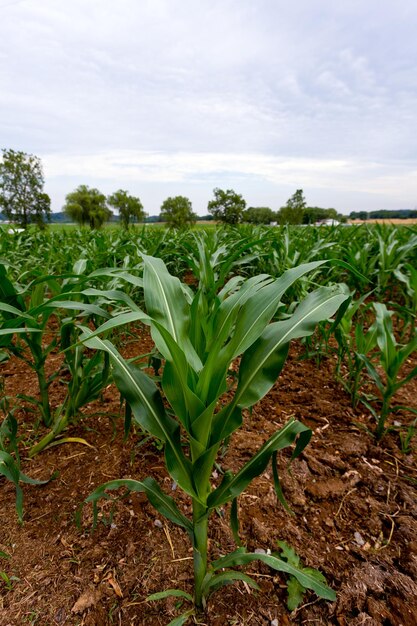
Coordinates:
column 189, row 334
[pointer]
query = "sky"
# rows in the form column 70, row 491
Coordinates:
column 177, row 97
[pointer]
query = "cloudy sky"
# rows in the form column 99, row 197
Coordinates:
column 167, row 97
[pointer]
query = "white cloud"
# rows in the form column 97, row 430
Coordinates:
column 275, row 94
column 139, row 170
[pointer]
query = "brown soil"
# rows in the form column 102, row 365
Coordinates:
column 354, row 503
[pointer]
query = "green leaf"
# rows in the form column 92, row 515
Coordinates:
column 116, row 321
column 163, row 504
column 166, row 304
column 295, row 592
column 289, row 554
column 147, row 406
column 264, row 360
column 259, row 309
column 231, row 488
column 10, row 331
column 234, row 521
column 176, row 593
column 113, row 295
column 227, row 578
column 386, row 338
column 304, row 577
column 182, row 619
column 10, row 469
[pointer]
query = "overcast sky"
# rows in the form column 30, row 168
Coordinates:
column 168, row 97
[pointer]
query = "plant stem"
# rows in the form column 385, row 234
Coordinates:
column 60, row 424
column 44, row 393
column 200, row 524
column 385, row 409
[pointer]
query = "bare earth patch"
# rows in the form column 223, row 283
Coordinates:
column 354, row 503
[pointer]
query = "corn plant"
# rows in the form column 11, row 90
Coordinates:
column 354, row 340
column 391, row 359
column 359, row 249
column 22, row 316
column 88, row 376
column 393, row 254
column 25, row 333
column 9, row 453
column 205, row 404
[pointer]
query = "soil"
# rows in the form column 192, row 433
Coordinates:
column 354, row 517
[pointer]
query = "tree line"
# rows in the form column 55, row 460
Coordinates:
column 401, row 214
column 23, row 201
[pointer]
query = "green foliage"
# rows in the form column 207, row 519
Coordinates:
column 9, row 455
column 292, row 212
column 8, row 581
column 295, row 588
column 22, row 199
column 177, row 212
column 354, row 339
column 227, row 206
column 383, row 214
column 391, row 359
column 392, row 255
column 87, row 206
column 311, row 215
column 199, row 351
column 259, row 215
column 407, row 436
column 130, row 208
column 24, row 318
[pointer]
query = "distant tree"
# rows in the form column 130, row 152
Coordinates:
column 205, row 218
column 313, row 214
column 130, row 208
column 292, row 212
column 227, row 206
column 87, row 206
column 386, row 214
column 177, row 212
column 22, row 198
column 259, row 215
column 359, row 215
column 152, row 219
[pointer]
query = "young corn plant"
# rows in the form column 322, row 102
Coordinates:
column 391, row 359
column 204, row 409
column 88, row 375
column 393, row 254
column 353, row 340
column 9, row 453
column 25, row 332
column 21, row 316
column 25, row 314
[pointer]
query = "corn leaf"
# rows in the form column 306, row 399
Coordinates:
column 231, row 488
column 241, row 557
column 163, row 504
column 146, row 402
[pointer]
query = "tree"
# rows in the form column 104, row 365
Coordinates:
column 227, row 206
column 87, row 206
column 129, row 207
column 313, row 214
column 22, row 198
column 292, row 212
column 259, row 215
column 177, row 212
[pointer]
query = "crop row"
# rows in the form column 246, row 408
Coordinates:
column 221, row 337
